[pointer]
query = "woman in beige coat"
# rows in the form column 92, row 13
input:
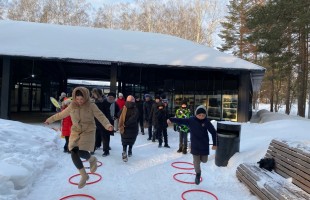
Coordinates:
column 83, row 130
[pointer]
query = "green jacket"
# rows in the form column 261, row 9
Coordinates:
column 182, row 113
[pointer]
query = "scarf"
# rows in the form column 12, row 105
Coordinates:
column 121, row 124
column 112, row 110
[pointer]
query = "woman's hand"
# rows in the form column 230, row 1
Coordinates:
column 168, row 121
column 46, row 123
column 111, row 128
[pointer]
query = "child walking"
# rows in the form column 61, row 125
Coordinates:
column 199, row 127
column 66, row 125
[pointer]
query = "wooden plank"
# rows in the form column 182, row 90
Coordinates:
column 283, row 143
column 253, row 189
column 296, row 156
column 251, row 182
column 273, row 183
column 297, row 169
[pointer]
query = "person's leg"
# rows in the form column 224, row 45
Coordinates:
column 141, row 125
column 159, row 133
column 66, row 144
column 165, row 134
column 204, row 158
column 150, row 130
column 130, row 151
column 154, row 134
column 124, row 154
column 196, row 161
column 184, row 150
column 105, row 141
column 180, row 142
column 79, row 165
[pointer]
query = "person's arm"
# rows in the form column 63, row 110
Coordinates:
column 183, row 121
column 59, row 116
column 213, row 133
column 101, row 117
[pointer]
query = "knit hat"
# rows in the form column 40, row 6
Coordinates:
column 147, row 95
column 120, row 95
column 201, row 109
column 111, row 94
column 157, row 97
column 63, row 94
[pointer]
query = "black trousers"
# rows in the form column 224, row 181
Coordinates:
column 76, row 156
column 66, row 144
column 140, row 120
column 106, row 140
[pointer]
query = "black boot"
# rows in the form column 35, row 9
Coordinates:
column 129, row 153
column 105, row 153
column 180, row 149
column 184, row 150
column 197, row 179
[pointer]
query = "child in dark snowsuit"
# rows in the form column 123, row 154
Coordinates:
column 161, row 124
column 199, row 127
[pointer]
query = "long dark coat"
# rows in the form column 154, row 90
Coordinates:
column 131, row 124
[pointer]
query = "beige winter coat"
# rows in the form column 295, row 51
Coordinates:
column 83, row 128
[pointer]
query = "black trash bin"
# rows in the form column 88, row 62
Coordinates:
column 228, row 142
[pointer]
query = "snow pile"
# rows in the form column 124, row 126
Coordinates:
column 25, row 153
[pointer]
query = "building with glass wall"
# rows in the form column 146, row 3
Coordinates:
column 36, row 61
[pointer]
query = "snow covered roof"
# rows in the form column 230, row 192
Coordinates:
column 105, row 45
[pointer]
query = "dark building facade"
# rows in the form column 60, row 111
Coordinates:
column 28, row 82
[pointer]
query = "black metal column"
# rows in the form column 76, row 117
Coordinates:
column 113, row 78
column 244, row 96
column 5, row 89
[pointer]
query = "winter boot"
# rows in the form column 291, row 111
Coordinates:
column 180, row 149
column 124, row 156
column 197, row 179
column 129, row 153
column 167, row 146
column 84, row 178
column 105, row 153
column 184, row 150
column 93, row 164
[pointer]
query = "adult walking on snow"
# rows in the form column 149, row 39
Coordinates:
column 128, row 126
column 120, row 101
column 147, row 106
column 82, row 138
column 199, row 127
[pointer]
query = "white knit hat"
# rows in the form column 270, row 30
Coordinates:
column 120, row 95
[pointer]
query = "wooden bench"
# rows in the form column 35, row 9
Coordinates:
column 289, row 180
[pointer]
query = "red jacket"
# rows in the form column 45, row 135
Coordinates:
column 66, row 125
column 120, row 103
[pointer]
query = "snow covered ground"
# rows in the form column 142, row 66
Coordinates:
column 33, row 166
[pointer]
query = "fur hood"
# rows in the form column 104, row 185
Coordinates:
column 85, row 93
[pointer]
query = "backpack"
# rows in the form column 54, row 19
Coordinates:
column 267, row 163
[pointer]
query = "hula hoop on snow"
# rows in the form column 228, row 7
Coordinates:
column 77, row 195
column 204, row 191
column 174, row 177
column 100, row 164
column 185, row 168
column 73, row 183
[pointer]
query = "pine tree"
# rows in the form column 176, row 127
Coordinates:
column 235, row 31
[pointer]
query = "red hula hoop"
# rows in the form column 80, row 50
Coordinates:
column 73, row 183
column 205, row 191
column 174, row 177
column 77, row 195
column 100, row 164
column 173, row 165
